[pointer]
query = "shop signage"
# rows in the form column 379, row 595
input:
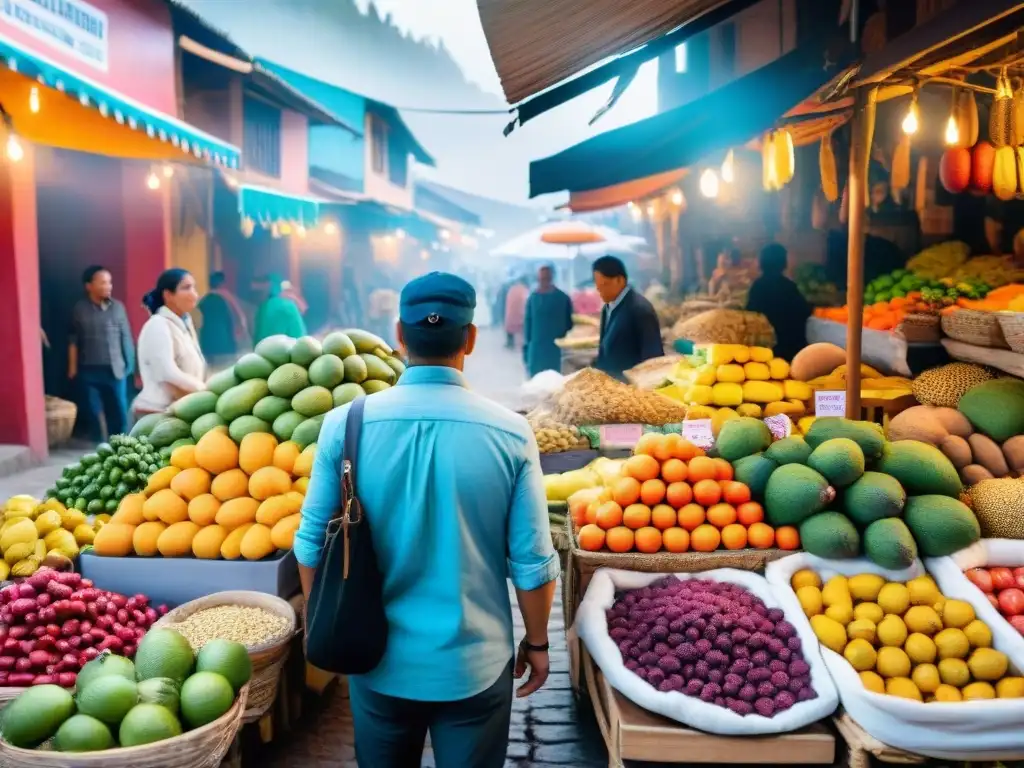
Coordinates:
column 72, row 26
column 830, row 404
column 699, row 432
column 621, row 435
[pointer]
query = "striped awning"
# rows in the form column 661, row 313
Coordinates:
column 266, row 206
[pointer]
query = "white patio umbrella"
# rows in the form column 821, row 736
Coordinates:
column 565, row 240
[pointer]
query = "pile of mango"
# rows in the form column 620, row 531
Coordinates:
column 33, row 532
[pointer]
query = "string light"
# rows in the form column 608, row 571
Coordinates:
column 912, row 120
column 168, row 171
column 300, row 231
column 400, row 234
column 445, row 234
column 677, row 197
column 330, row 228
column 952, row 132
column 635, row 210
column 153, row 181
column 727, row 168
column 650, row 210
column 15, row 152
column 709, row 183
column 33, row 99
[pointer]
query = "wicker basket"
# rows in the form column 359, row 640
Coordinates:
column 920, row 328
column 267, row 660
column 1012, row 325
column 972, row 326
column 202, row 748
column 60, row 420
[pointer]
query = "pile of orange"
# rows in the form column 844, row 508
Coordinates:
column 673, row 497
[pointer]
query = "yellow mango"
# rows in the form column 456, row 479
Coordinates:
column 166, row 506
column 730, row 373
column 699, row 412
column 184, row 457
column 740, row 354
column 114, row 540
column 779, row 368
column 176, row 541
column 751, row 410
column 235, row 513
column 190, row 483
column 282, row 535
column 796, row 390
column 762, row 392
column 256, row 543
column 718, row 354
column 202, row 510
column 721, row 416
column 256, row 451
column 146, row 537
column 216, row 452
column 699, row 394
column 161, row 479
column 727, row 394
column 129, row 511
column 304, row 464
column 232, row 484
column 269, row 481
column 300, row 485
column 277, row 508
column 231, row 549
column 805, row 424
column 207, row 542
column 760, row 354
column 795, row 411
column 706, row 375
column 756, row 372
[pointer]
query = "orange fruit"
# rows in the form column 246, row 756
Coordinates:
column 734, row 536
column 675, row 539
column 684, row 449
column 652, row 492
column 626, row 491
column 787, row 537
column 749, row 512
column 702, row 468
column 641, row 467
column 647, row 540
column 723, row 469
column 705, row 538
column 663, row 516
column 761, row 535
column 721, row 515
column 591, row 517
column 690, row 516
column 707, row 493
column 591, row 538
column 645, row 445
column 609, row 515
column 678, row 495
column 735, row 493
column 619, row 539
column 663, row 449
column 673, row 471
column 636, row 516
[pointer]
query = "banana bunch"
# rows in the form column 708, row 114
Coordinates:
column 940, row 260
column 778, row 160
column 994, row 271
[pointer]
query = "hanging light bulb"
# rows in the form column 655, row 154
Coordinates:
column 168, row 170
column 650, row 211
column 300, row 231
column 153, row 181
column 15, row 152
column 634, row 209
column 677, row 198
column 911, row 122
column 400, row 233
column 709, row 183
column 33, row 99
column 952, row 132
column 727, row 168
column 330, row 228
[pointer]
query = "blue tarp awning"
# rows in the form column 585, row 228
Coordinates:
column 678, row 138
column 268, row 206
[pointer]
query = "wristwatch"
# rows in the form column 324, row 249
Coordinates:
column 534, row 648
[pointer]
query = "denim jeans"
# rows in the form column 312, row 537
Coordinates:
column 104, row 400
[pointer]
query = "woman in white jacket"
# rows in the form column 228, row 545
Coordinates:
column 170, row 362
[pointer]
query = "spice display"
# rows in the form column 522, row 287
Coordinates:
column 249, row 625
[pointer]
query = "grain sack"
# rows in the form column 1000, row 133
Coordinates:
column 727, row 326
column 592, row 397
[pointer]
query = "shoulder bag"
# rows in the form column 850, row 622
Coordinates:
column 346, row 627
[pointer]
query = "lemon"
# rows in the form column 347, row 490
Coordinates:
column 903, row 687
column 861, row 655
column 957, row 613
column 865, row 587
column 870, row 611
column 948, row 693
column 841, row 612
column 861, row 628
column 923, row 591
column 894, row 598
column 830, row 632
column 939, row 605
column 836, row 591
column 1007, row 688
column 988, row 664
column 954, row 672
column 920, row 649
column 872, row 682
column 805, row 578
column 923, row 619
column 952, row 644
column 926, row 678
column 978, row 634
column 976, row 691
column 893, row 662
column 892, row 631
column 810, row 600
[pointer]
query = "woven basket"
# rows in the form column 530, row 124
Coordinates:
column 202, row 748
column 267, row 660
column 60, row 420
column 920, row 328
column 1012, row 325
column 972, row 326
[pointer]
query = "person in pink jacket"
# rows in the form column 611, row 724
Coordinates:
column 515, row 311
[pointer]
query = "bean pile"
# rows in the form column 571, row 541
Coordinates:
column 247, row 625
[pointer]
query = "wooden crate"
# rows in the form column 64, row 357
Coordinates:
column 633, row 733
column 861, row 746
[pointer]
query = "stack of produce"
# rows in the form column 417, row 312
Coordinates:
column 815, row 286
column 98, row 481
column 945, row 385
column 699, row 303
column 54, row 624
column 907, row 639
column 997, row 504
column 849, row 491
column 166, row 691
column 284, row 388
column 593, row 397
column 948, row 261
column 555, row 437
column 672, row 497
column 584, row 334
column 823, row 367
column 726, row 326
column 1004, row 589
column 33, row 532
column 215, row 500
column 1009, row 298
column 940, row 260
column 713, row 641
column 944, row 290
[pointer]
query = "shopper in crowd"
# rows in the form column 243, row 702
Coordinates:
column 499, row 300
column 548, row 317
column 101, row 355
column 630, row 330
column 729, row 275
column 586, row 300
column 290, row 292
column 224, row 329
column 171, row 362
column 469, row 519
column 515, row 310
column 278, row 314
column 777, row 298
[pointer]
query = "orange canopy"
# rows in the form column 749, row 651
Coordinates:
column 571, row 233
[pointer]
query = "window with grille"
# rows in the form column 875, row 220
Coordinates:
column 261, row 136
column 379, row 145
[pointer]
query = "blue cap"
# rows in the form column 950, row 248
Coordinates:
column 438, row 298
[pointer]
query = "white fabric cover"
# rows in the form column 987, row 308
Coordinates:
column 592, row 627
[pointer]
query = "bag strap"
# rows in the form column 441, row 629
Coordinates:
column 353, row 431
column 350, row 511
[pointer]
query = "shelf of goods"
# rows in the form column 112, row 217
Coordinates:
column 880, row 349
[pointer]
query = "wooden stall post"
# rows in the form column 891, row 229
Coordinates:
column 863, row 129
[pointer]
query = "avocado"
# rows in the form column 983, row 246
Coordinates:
column 794, row 493
column 742, row 437
column 754, row 471
column 940, row 525
column 868, row 436
column 889, row 543
column 830, row 535
column 789, row 450
column 839, row 460
column 922, row 469
column 873, row 497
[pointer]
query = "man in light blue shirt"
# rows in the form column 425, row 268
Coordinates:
column 452, row 487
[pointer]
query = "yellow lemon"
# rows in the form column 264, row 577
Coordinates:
column 810, row 600
column 861, row 628
column 870, row 611
column 923, row 619
column 923, row 591
column 873, row 682
column 920, row 649
column 861, row 655
column 892, row 631
column 954, row 672
column 841, row 612
column 1010, row 688
column 865, row 587
column 976, row 691
column 894, row 598
column 805, row 578
column 926, row 678
column 947, row 693
column 836, row 591
column 952, row 644
column 957, row 614
column 978, row 634
column 830, row 632
column 893, row 662
column 988, row 664
column 903, row 687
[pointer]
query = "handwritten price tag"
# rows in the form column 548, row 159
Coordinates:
column 829, row 404
column 621, row 435
column 699, row 432
column 779, row 425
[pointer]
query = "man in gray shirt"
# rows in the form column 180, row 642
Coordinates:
column 101, row 355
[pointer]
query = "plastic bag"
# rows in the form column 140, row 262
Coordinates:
column 592, row 627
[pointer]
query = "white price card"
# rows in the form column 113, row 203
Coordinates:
column 830, row 403
column 699, row 433
column 621, row 435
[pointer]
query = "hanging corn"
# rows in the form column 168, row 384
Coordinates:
column 827, row 168
column 921, row 186
column 968, row 120
column 785, row 156
column 769, row 172
column 1000, row 129
column 1017, row 117
column 899, row 176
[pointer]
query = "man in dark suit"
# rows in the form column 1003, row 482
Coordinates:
column 630, row 331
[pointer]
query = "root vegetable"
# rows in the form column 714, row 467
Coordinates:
column 20, row 679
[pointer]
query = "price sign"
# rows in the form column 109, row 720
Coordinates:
column 830, row 404
column 699, row 432
column 621, row 435
column 779, row 425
